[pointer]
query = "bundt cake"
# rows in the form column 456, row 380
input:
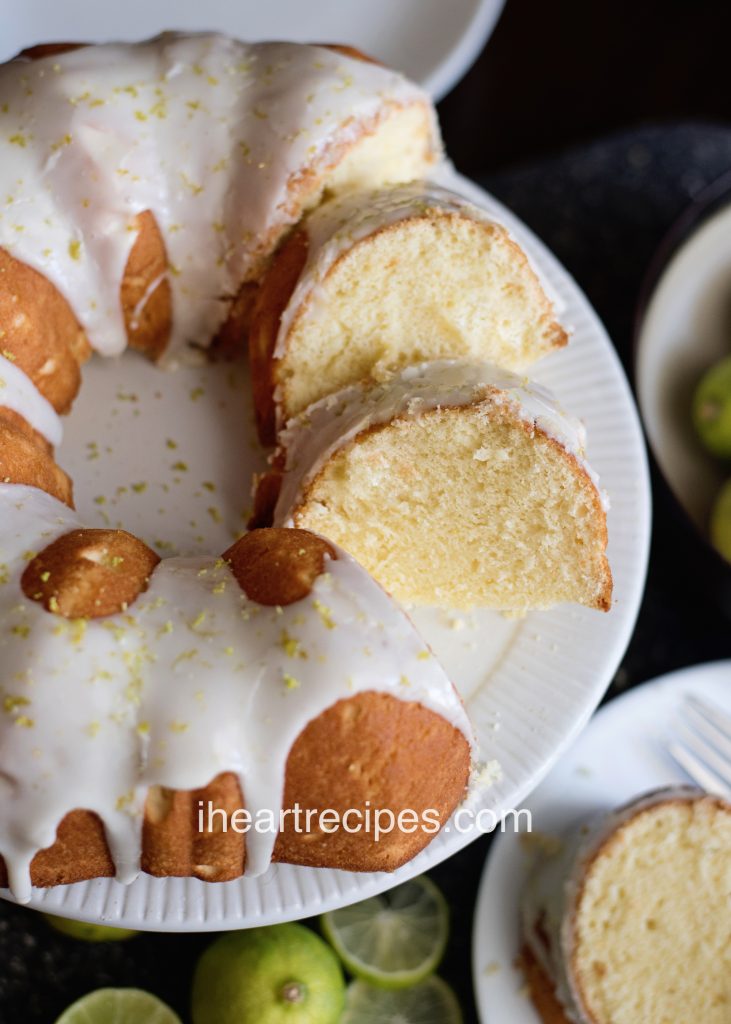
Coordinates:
column 146, row 186
column 136, row 693
column 368, row 284
column 152, row 194
column 453, row 483
column 629, row 923
column 145, row 189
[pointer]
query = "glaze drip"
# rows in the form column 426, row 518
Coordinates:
column 192, row 680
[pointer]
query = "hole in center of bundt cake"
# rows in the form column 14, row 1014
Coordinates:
column 166, row 454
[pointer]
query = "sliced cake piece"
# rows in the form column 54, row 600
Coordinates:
column 629, row 922
column 455, row 484
column 373, row 282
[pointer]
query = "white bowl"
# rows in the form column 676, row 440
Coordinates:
column 685, row 327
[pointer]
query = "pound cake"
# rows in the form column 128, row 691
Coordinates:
column 455, row 484
column 279, row 675
column 370, row 283
column 145, row 186
column 145, row 190
column 152, row 193
column 629, row 923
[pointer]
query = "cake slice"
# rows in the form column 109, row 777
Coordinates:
column 374, row 281
column 455, row 484
column 629, row 923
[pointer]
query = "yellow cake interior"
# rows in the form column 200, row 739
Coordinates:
column 462, row 507
column 653, row 924
column 425, row 288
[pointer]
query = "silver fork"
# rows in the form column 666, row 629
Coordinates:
column 702, row 745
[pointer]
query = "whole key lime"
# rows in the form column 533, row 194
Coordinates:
column 712, row 409
column 284, row 974
column 721, row 522
column 86, row 931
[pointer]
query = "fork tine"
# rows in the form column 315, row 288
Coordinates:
column 697, row 771
column 702, row 749
column 718, row 718
column 696, row 722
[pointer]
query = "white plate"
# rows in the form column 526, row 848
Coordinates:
column 531, row 683
column 431, row 41
column 620, row 755
column 686, row 328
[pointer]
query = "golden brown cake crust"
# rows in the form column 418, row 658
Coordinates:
column 370, row 747
column 147, row 309
column 173, row 843
column 80, row 852
column 15, row 420
column 22, row 461
column 87, row 574
column 39, row 332
column 542, row 993
column 271, row 301
column 278, row 567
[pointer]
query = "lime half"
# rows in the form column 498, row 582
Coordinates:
column 430, row 1002
column 284, row 974
column 118, row 1006
column 392, row 940
column 88, row 932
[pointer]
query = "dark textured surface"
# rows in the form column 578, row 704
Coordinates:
column 554, row 74
column 603, row 209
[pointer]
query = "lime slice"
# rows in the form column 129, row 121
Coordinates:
column 88, row 932
column 118, row 1006
column 430, row 1002
column 284, row 973
column 393, row 940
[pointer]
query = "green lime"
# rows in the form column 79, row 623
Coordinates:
column 392, row 940
column 87, row 931
column 430, row 1002
column 721, row 521
column 118, row 1006
column 267, row 976
column 712, row 409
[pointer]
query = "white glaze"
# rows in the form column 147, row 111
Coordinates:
column 207, row 132
column 19, row 393
column 191, row 681
column 554, row 888
column 311, row 439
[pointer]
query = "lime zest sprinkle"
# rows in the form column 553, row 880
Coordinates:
column 325, row 614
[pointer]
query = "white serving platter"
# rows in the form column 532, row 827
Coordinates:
column 622, row 754
column 530, row 684
column 431, row 41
